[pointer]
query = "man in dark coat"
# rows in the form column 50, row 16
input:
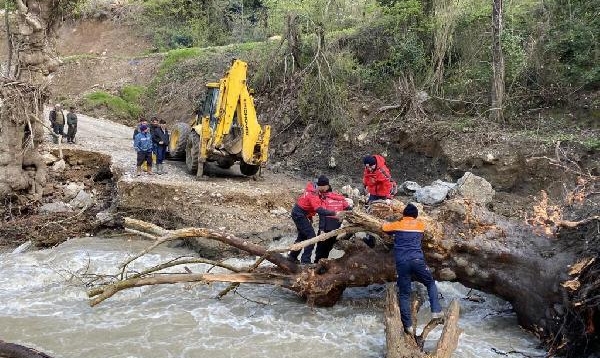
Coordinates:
column 160, row 138
column 72, row 125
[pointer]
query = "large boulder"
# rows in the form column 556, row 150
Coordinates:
column 473, row 187
column 434, row 193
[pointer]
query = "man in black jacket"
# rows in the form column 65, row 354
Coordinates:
column 160, row 138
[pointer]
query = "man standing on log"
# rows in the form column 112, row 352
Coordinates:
column 307, row 205
column 410, row 261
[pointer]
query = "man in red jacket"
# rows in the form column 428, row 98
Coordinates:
column 334, row 202
column 307, row 205
column 378, row 184
column 377, row 179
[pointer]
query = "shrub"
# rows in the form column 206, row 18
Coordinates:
column 118, row 106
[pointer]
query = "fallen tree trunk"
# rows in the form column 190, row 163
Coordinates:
column 465, row 243
column 321, row 284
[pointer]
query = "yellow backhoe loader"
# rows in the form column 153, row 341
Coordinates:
column 225, row 129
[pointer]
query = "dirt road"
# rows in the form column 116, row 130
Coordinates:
column 224, row 199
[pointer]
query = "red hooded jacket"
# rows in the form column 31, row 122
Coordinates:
column 334, row 202
column 378, row 182
column 311, row 200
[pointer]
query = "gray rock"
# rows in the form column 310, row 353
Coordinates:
column 432, row 194
column 49, row 158
column 332, row 163
column 104, row 217
column 471, row 186
column 82, row 200
column 449, row 185
column 71, row 190
column 56, row 207
column 409, row 187
column 59, row 166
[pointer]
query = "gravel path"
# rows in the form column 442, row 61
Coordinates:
column 114, row 139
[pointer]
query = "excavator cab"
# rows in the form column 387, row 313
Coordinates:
column 225, row 128
column 209, row 108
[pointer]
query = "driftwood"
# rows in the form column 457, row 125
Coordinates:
column 463, row 242
column 402, row 345
column 12, row 350
column 321, row 284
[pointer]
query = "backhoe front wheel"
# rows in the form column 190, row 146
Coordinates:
column 178, row 140
column 248, row 169
column 192, row 154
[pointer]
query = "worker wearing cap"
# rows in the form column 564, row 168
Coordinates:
column 410, row 262
column 142, row 143
column 307, row 205
column 376, row 178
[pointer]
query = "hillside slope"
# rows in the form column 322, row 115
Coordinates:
column 519, row 160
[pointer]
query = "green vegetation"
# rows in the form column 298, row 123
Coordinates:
column 334, row 50
column 126, row 105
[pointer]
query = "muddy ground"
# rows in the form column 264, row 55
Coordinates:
column 106, row 55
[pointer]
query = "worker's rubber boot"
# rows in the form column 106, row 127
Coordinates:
column 149, row 170
column 158, row 169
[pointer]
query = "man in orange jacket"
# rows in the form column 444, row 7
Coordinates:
column 410, row 261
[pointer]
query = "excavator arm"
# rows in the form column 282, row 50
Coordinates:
column 236, row 102
column 226, row 127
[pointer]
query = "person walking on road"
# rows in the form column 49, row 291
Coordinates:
column 71, row 125
column 410, row 262
column 143, row 146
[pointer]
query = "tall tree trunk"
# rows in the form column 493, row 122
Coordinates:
column 496, row 112
column 23, row 93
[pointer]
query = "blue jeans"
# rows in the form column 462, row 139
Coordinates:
column 161, row 151
column 418, row 269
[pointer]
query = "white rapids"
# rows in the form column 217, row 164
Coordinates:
column 43, row 304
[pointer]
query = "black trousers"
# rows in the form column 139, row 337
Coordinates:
column 305, row 232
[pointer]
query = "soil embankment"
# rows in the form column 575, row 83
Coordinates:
column 225, row 199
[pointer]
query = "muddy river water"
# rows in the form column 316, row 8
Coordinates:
column 43, row 304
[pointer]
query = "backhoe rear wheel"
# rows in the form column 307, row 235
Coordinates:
column 248, row 169
column 192, row 152
column 178, row 140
